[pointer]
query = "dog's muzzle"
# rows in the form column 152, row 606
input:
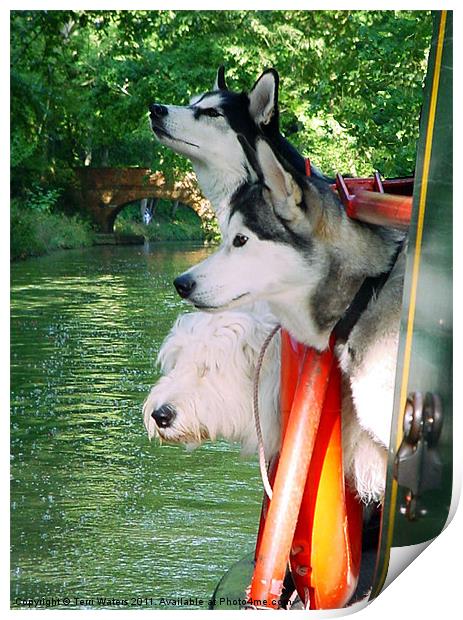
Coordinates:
column 185, row 285
column 164, row 416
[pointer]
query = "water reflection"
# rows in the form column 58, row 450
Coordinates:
column 97, row 511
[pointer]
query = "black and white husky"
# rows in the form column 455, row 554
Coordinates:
column 289, row 242
column 206, row 132
column 291, row 248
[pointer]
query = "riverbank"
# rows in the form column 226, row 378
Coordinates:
column 35, row 233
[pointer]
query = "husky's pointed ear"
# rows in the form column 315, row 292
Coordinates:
column 219, row 83
column 263, row 98
column 283, row 191
column 254, row 168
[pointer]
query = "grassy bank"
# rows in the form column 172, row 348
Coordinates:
column 183, row 225
column 34, row 233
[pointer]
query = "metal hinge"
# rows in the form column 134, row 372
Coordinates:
column 417, row 465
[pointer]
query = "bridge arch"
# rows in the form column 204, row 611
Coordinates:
column 104, row 192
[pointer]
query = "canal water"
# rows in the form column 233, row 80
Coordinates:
column 98, row 512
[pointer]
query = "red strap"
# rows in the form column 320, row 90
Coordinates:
column 308, row 167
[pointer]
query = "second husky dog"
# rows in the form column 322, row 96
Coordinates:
column 206, row 132
column 289, row 242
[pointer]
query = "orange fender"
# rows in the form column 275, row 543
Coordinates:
column 293, row 353
column 292, row 358
column 326, row 550
column 288, row 489
column 312, row 521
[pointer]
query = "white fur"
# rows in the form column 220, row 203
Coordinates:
column 208, row 364
column 203, row 141
column 364, row 459
column 373, row 388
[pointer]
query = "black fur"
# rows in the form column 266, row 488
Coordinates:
column 221, row 78
column 235, row 107
column 262, row 220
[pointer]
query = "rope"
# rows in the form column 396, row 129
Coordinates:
column 260, row 441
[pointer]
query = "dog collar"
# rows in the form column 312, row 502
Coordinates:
column 371, row 287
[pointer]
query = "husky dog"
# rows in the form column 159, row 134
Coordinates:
column 289, row 242
column 206, row 131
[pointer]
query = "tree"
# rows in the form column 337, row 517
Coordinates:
column 351, row 84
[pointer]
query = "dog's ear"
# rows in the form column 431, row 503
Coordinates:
column 219, row 83
column 263, row 97
column 251, row 156
column 282, row 190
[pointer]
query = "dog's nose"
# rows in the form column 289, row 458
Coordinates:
column 184, row 285
column 164, row 416
column 157, row 110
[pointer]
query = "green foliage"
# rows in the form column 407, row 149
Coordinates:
column 37, row 232
column 184, row 225
column 351, row 84
column 41, row 199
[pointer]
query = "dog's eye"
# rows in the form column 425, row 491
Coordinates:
column 239, row 241
column 210, row 112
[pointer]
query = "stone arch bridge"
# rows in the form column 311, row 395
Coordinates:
column 104, row 192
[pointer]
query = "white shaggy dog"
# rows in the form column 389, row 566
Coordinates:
column 208, row 363
column 206, row 391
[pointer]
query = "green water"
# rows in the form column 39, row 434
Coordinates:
column 98, row 511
